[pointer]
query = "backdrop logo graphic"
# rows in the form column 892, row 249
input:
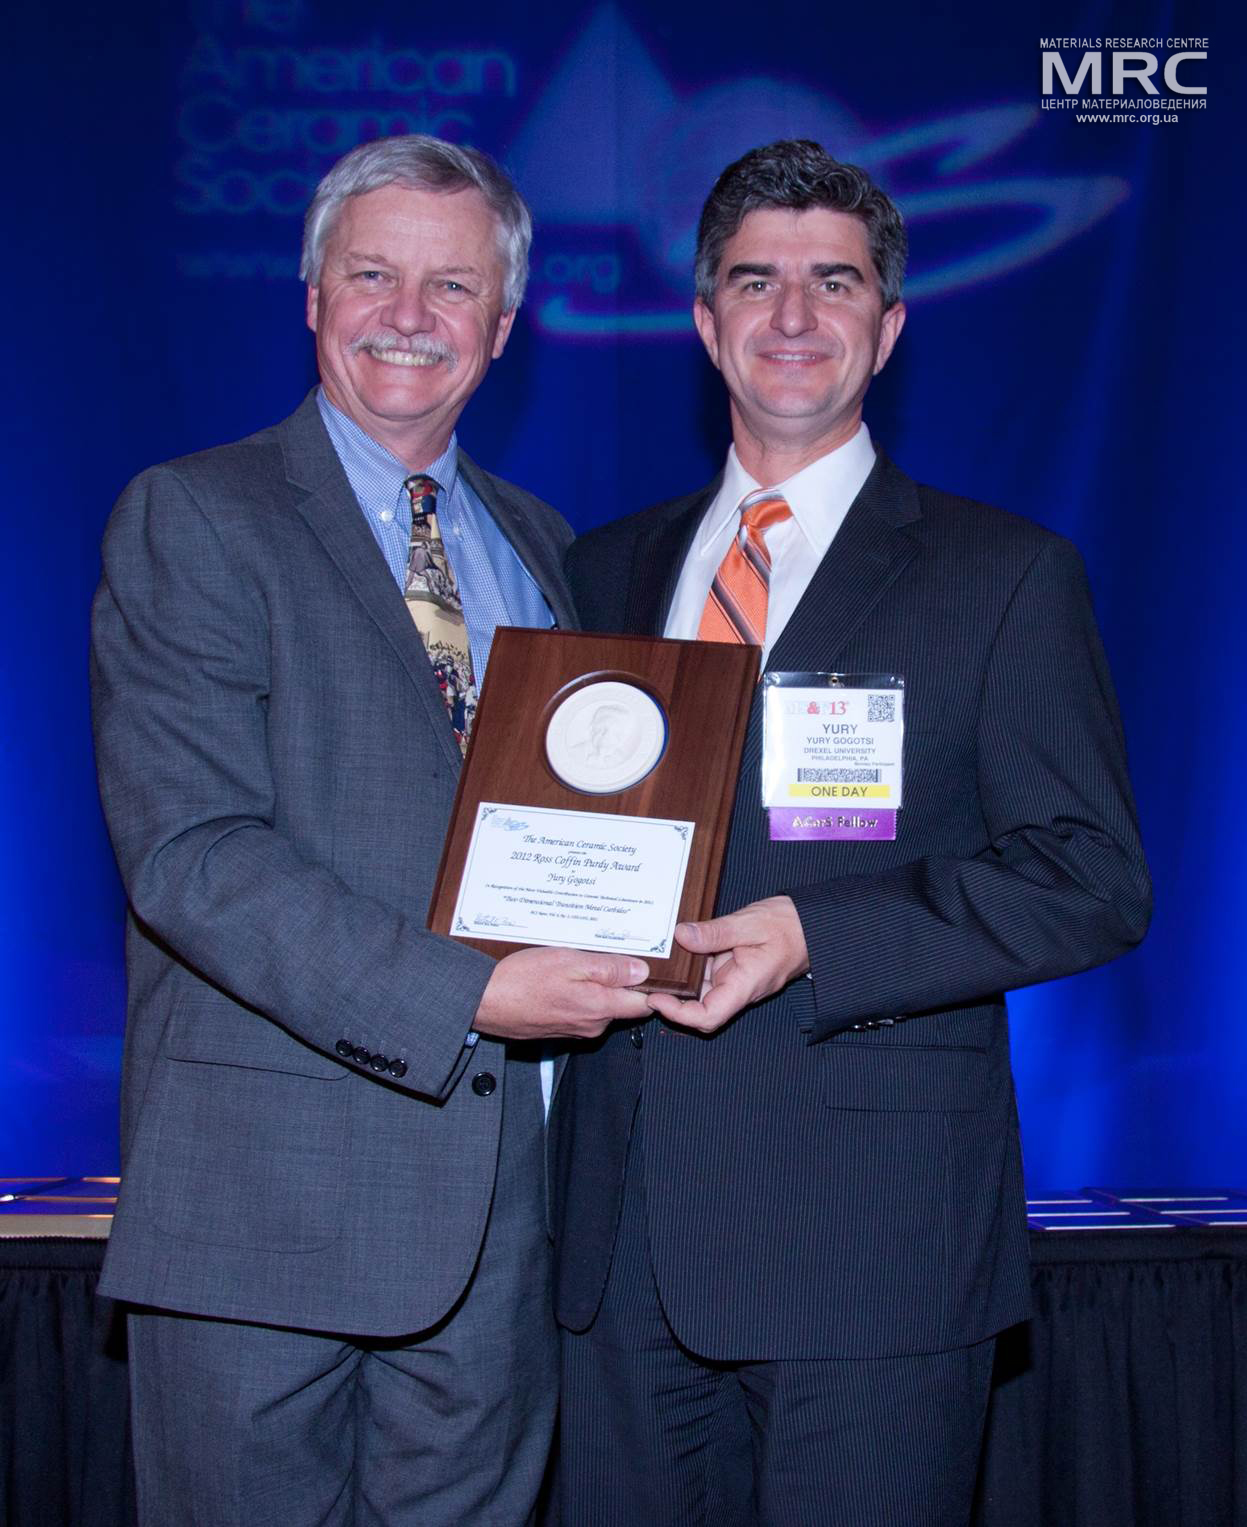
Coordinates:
column 613, row 158
column 1148, row 80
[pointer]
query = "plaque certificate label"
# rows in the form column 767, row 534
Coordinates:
column 573, row 879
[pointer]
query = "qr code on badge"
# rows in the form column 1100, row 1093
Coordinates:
column 881, row 707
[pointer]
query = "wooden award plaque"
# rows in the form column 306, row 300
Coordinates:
column 704, row 691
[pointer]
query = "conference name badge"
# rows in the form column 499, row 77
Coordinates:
column 831, row 754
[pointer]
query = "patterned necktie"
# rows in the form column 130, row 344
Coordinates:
column 736, row 605
column 433, row 600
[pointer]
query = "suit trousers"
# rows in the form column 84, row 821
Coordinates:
column 249, row 1424
column 652, row 1432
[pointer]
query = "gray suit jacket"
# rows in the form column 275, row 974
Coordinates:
column 277, row 769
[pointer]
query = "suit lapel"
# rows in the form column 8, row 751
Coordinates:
column 870, row 550
column 657, row 560
column 327, row 503
column 537, row 552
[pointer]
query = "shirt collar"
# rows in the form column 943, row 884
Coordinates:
column 819, row 495
column 370, row 469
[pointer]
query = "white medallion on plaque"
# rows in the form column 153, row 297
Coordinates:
column 605, row 737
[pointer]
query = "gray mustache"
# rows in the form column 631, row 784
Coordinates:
column 427, row 349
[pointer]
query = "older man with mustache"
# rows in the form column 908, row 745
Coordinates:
column 331, row 1226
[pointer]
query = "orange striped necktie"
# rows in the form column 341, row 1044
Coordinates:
column 736, row 605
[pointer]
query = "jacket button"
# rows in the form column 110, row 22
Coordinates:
column 636, row 1036
column 361, row 1055
column 345, row 1049
column 483, row 1083
column 398, row 1068
column 378, row 1063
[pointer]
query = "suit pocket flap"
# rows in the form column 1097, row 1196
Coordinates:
column 218, row 1032
column 904, row 1077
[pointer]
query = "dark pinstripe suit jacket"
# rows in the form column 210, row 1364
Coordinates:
column 277, row 769
column 816, row 1190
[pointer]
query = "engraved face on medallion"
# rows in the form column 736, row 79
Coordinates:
column 605, row 737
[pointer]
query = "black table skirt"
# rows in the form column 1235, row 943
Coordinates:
column 1123, row 1403
column 64, row 1411
column 1124, row 1400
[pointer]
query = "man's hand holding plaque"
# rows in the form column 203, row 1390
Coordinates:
column 561, row 994
column 754, row 953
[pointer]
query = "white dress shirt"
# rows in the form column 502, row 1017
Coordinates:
column 819, row 496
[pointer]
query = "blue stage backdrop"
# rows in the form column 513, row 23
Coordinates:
column 1067, row 357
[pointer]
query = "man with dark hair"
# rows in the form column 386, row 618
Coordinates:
column 332, row 1217
column 789, row 1217
column 799, row 175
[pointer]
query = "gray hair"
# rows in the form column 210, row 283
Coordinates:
column 427, row 164
column 800, row 174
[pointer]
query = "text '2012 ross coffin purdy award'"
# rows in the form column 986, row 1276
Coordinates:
column 593, row 806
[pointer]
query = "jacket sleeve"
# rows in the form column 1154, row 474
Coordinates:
column 1063, row 884
column 180, row 683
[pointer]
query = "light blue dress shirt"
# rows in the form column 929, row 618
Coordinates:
column 496, row 588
